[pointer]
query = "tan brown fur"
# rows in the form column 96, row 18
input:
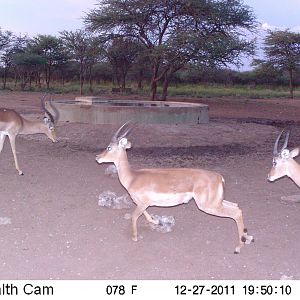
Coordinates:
column 170, row 187
column 13, row 124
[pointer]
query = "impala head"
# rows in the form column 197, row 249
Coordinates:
column 49, row 120
column 118, row 144
column 282, row 159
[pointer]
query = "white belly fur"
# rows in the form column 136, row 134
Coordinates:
column 168, row 199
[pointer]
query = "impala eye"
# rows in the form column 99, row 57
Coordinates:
column 108, row 148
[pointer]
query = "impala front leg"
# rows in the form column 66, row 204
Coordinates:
column 2, row 139
column 150, row 219
column 136, row 214
column 12, row 140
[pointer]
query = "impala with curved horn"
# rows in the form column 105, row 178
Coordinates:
column 283, row 161
column 170, row 187
column 12, row 124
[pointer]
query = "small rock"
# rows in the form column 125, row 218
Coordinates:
column 5, row 221
column 286, row 277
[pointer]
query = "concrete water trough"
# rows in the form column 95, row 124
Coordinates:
column 101, row 111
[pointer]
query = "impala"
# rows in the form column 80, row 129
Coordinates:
column 283, row 161
column 13, row 124
column 170, row 187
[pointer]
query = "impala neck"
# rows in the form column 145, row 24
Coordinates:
column 294, row 172
column 123, row 168
column 31, row 127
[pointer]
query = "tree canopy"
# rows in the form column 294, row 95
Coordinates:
column 176, row 32
column 282, row 51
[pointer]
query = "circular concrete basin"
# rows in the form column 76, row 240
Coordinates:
column 101, row 111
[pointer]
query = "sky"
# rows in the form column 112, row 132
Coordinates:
column 279, row 14
column 52, row 16
column 43, row 16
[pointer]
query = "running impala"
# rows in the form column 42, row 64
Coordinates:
column 283, row 161
column 13, row 124
column 170, row 187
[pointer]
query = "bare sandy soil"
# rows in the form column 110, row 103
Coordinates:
column 57, row 230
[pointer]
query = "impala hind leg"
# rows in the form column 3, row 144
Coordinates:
column 230, row 210
column 249, row 238
column 12, row 140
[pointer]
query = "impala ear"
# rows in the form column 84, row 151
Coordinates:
column 46, row 120
column 124, row 143
column 128, row 146
column 295, row 152
column 285, row 154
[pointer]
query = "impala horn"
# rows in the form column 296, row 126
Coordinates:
column 47, row 112
column 123, row 131
column 275, row 150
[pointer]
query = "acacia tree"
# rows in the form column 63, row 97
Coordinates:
column 83, row 48
column 94, row 54
column 265, row 73
column 76, row 43
column 26, row 66
column 122, row 53
column 14, row 44
column 6, row 38
column 176, row 32
column 50, row 48
column 282, row 50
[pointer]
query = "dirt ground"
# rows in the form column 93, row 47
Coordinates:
column 56, row 229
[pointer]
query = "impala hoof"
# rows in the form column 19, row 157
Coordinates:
column 134, row 238
column 249, row 239
column 21, row 173
column 237, row 251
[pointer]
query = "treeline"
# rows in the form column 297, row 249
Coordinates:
column 45, row 59
column 152, row 42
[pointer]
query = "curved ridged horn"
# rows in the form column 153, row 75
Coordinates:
column 123, row 131
column 47, row 112
column 55, row 110
column 275, row 150
column 286, row 140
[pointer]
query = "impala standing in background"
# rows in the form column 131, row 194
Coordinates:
column 283, row 161
column 170, row 187
column 12, row 124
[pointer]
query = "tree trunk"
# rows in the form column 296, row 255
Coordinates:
column 30, row 81
column 140, row 80
column 123, row 84
column 165, row 88
column 39, row 80
column 47, row 75
column 153, row 84
column 5, row 78
column 23, row 81
column 16, row 79
column 291, row 84
column 62, row 77
column 81, row 77
column 123, row 80
column 153, row 90
column 90, row 79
